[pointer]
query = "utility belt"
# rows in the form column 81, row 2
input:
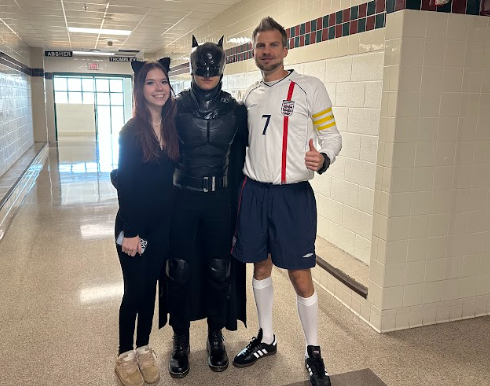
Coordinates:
column 201, row 184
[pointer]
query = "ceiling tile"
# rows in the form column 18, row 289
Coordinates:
column 44, row 12
column 33, row 17
column 213, row 8
column 201, row 16
column 123, row 16
column 85, row 7
column 83, row 25
column 14, row 15
column 128, row 10
column 84, row 14
column 26, row 4
column 90, row 2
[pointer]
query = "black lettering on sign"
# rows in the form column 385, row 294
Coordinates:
column 59, row 54
column 122, row 59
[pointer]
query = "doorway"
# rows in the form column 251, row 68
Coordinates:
column 91, row 108
column 90, row 111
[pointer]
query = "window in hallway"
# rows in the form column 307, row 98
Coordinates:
column 91, row 107
column 90, row 111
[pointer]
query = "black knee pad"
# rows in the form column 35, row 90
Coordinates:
column 219, row 269
column 178, row 270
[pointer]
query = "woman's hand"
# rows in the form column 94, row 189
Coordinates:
column 131, row 246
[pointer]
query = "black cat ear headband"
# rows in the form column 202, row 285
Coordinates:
column 137, row 65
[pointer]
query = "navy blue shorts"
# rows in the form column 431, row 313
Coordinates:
column 276, row 219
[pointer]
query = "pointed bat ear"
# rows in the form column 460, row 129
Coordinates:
column 194, row 42
column 136, row 66
column 220, row 43
column 165, row 62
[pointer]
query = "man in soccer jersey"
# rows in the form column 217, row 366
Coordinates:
column 292, row 135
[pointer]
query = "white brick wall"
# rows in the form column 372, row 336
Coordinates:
column 363, row 121
column 431, row 228
column 16, row 131
column 355, row 86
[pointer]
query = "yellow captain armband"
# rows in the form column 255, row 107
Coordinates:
column 324, row 119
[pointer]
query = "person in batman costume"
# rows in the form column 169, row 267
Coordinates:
column 203, row 281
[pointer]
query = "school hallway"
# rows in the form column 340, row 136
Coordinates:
column 403, row 212
column 61, row 286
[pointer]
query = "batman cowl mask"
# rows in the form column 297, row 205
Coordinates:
column 207, row 59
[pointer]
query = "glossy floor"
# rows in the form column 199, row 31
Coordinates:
column 60, row 287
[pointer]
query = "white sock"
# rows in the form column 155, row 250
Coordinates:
column 264, row 296
column 308, row 313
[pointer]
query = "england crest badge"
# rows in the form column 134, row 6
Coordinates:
column 287, row 108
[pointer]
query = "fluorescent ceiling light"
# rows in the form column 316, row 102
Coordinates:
column 100, row 31
column 239, row 40
column 93, row 53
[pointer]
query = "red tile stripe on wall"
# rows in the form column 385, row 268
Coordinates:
column 356, row 19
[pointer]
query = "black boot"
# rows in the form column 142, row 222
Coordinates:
column 217, row 358
column 178, row 367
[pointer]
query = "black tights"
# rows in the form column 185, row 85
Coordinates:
column 140, row 274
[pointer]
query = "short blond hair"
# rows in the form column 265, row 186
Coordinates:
column 269, row 24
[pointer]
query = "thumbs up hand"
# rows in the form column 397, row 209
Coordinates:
column 313, row 159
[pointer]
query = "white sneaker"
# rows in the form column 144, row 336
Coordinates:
column 147, row 362
column 127, row 369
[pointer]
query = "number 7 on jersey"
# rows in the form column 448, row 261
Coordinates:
column 266, row 122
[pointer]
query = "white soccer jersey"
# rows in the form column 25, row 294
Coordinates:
column 282, row 118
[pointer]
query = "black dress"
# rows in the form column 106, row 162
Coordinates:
column 145, row 194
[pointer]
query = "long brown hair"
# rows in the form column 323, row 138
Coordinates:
column 141, row 113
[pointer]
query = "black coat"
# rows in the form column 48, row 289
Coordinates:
column 145, row 192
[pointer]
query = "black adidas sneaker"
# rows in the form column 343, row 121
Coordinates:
column 316, row 368
column 255, row 350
